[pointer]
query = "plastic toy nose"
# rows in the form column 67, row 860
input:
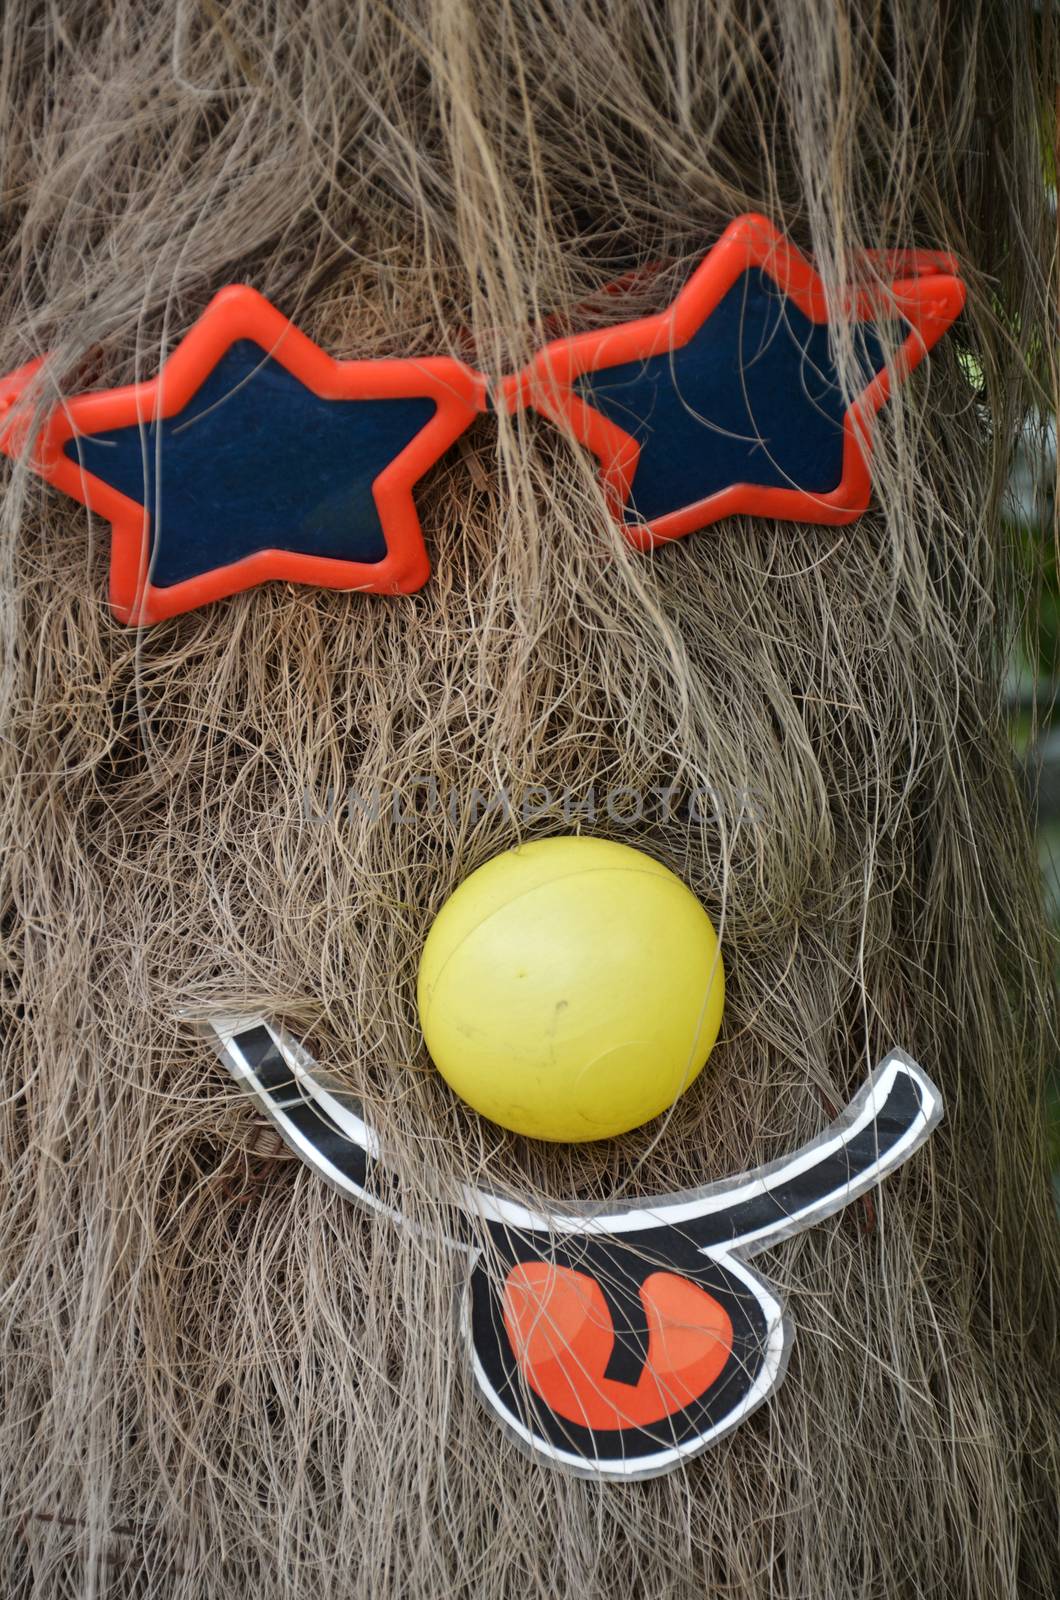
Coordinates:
column 560, row 1329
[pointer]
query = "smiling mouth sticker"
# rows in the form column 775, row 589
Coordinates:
column 613, row 1343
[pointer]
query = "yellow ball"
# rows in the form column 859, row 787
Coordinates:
column 571, row 989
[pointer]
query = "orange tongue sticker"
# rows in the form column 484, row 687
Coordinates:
column 561, row 1331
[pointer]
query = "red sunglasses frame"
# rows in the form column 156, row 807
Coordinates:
column 235, row 313
column 927, row 294
column 923, row 289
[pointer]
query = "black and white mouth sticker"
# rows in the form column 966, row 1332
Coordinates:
column 614, row 1343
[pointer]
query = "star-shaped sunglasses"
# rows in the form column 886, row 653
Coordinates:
column 253, row 455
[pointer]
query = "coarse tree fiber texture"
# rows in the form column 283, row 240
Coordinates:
column 218, row 1378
